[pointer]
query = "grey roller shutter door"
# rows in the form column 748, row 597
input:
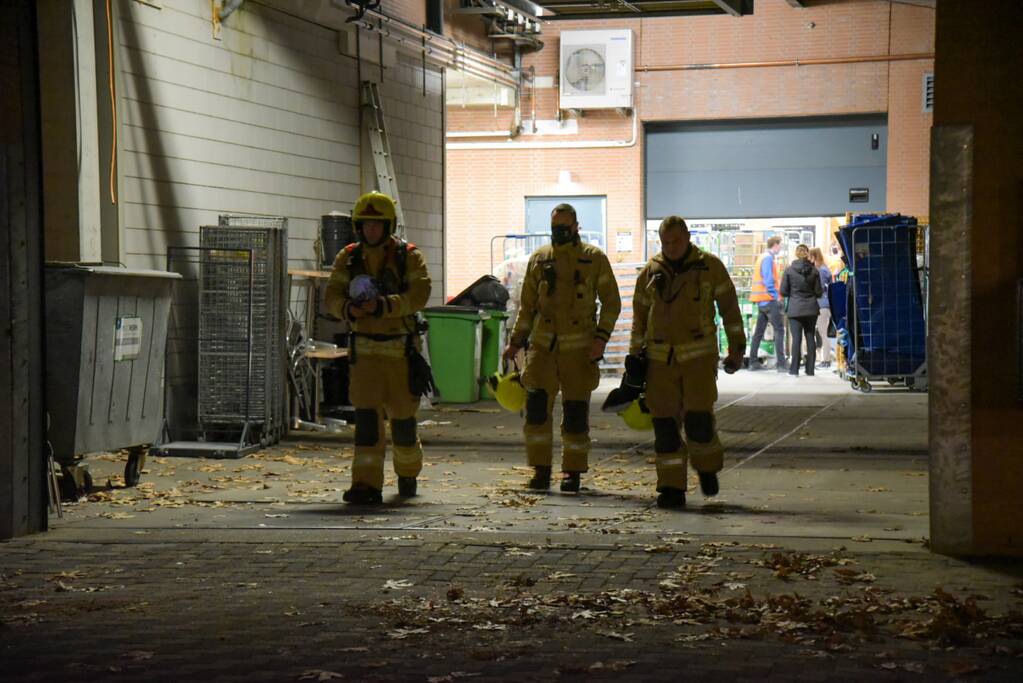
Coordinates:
column 766, row 168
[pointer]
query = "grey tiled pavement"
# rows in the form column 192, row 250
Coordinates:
column 810, row 566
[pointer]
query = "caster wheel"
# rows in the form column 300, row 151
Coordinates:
column 75, row 482
column 68, row 488
column 133, row 470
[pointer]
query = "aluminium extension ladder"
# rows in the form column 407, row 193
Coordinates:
column 383, row 163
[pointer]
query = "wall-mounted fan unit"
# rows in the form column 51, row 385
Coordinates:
column 596, row 69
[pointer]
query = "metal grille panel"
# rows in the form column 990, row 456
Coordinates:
column 223, row 321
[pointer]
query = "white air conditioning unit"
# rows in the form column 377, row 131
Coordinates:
column 596, row 69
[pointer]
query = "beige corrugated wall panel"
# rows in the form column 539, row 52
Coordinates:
column 264, row 120
column 415, row 125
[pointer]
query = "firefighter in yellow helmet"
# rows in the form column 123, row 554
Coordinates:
column 673, row 332
column 558, row 318
column 378, row 284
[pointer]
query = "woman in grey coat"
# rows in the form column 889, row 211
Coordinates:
column 801, row 288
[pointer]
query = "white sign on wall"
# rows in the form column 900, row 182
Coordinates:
column 624, row 242
column 127, row 338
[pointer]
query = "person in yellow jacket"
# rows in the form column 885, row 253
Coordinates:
column 558, row 318
column 378, row 284
column 673, row 331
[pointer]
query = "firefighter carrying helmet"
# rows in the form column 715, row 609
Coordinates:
column 375, row 206
column 508, row 390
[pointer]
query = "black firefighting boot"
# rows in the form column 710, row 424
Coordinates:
column 709, row 483
column 541, row 480
column 671, row 498
column 406, row 487
column 570, row 482
column 363, row 494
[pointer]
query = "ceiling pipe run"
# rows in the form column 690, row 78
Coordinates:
column 437, row 49
column 787, row 62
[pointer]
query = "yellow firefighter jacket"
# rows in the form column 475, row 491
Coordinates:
column 673, row 308
column 400, row 272
column 558, row 307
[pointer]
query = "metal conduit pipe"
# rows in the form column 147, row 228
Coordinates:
column 452, row 56
column 560, row 144
column 787, row 62
column 477, row 134
column 440, row 50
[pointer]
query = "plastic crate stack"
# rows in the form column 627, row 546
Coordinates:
column 224, row 367
column 887, row 317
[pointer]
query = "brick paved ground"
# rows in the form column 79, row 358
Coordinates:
column 809, row 566
column 416, row 606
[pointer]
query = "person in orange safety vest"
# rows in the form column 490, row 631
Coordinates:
column 766, row 280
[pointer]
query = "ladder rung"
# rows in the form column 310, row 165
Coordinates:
column 387, row 181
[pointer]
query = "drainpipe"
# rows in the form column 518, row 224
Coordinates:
column 517, row 121
column 228, row 8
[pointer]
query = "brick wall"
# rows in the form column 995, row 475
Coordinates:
column 486, row 188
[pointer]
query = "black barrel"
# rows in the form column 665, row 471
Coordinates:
column 336, row 233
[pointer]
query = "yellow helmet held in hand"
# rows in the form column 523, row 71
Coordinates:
column 637, row 416
column 508, row 390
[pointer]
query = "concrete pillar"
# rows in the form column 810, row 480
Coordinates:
column 22, row 464
column 975, row 347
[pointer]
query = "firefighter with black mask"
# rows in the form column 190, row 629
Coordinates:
column 674, row 335
column 558, row 324
column 378, row 284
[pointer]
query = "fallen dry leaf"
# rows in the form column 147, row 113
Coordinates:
column 139, row 655
column 615, row 665
column 319, row 675
column 397, row 584
column 616, row 635
column 402, row 633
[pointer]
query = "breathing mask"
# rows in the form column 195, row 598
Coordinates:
column 561, row 234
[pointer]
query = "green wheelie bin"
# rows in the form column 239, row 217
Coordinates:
column 454, row 341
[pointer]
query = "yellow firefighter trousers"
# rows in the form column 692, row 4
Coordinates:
column 576, row 376
column 380, row 384
column 677, row 389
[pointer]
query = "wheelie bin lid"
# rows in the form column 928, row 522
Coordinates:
column 460, row 312
column 110, row 270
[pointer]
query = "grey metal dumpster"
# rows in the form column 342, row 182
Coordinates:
column 106, row 332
